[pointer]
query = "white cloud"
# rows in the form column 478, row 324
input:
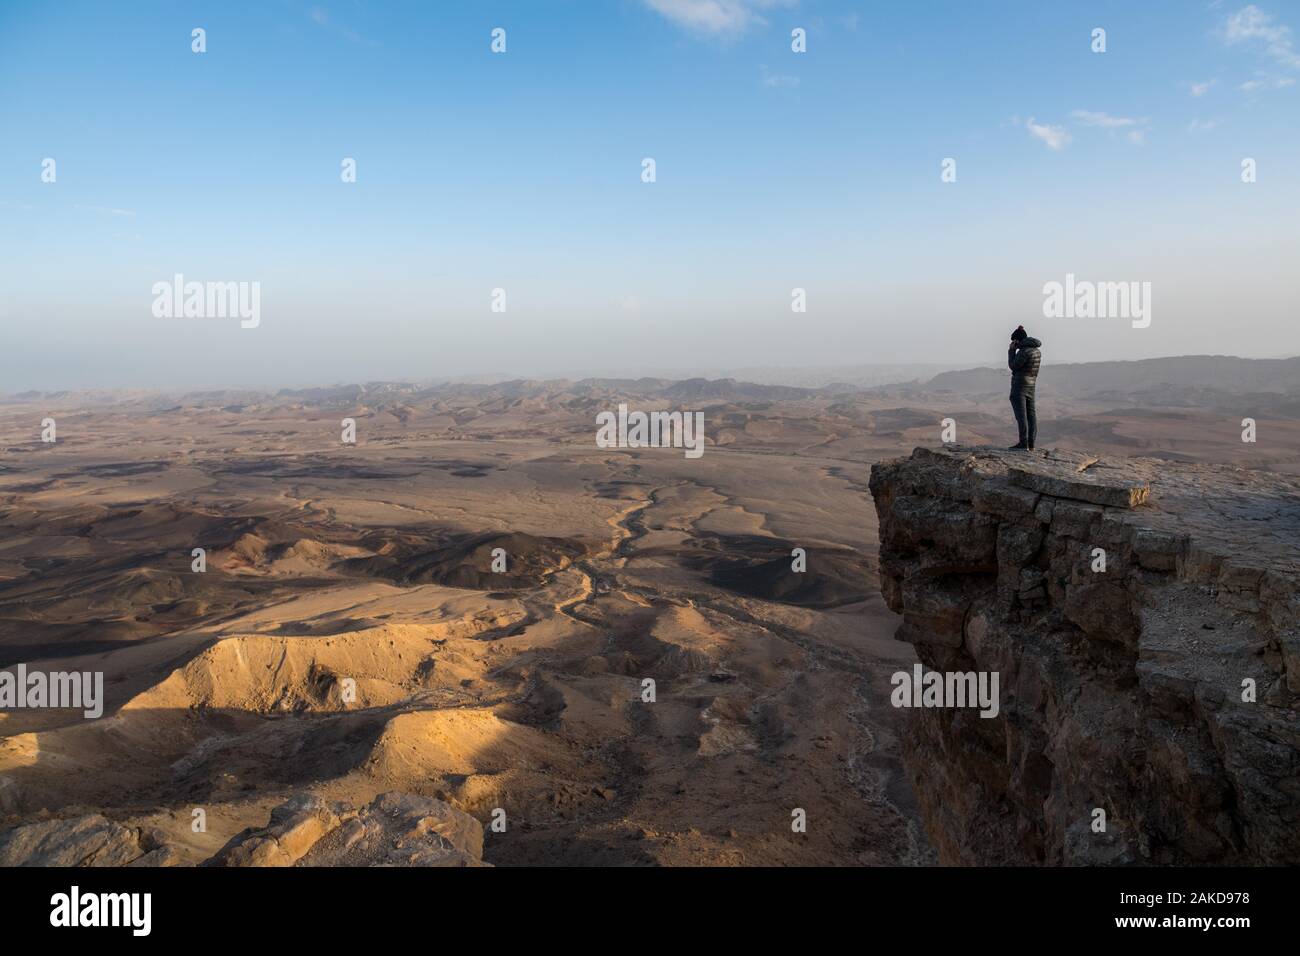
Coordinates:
column 1105, row 120
column 1200, row 89
column 1136, row 128
column 105, row 210
column 1251, row 25
column 1201, row 126
column 716, row 17
column 1266, row 81
column 1054, row 136
column 322, row 19
column 777, row 80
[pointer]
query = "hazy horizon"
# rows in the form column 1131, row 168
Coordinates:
column 805, row 376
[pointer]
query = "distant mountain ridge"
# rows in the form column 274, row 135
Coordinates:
column 1188, row 380
column 1222, row 373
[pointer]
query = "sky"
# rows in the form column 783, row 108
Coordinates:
column 522, row 171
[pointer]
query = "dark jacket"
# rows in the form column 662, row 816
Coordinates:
column 1024, row 363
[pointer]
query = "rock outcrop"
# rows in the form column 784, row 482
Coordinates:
column 91, row 840
column 395, row 829
column 1143, row 617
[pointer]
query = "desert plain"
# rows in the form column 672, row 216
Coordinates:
column 608, row 649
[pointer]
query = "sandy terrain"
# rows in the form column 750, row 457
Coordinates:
column 350, row 634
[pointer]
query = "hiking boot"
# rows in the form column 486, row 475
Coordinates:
column 1019, row 447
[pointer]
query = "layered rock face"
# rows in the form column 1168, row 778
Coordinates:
column 1143, row 618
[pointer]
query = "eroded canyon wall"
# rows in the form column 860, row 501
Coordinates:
column 1143, row 619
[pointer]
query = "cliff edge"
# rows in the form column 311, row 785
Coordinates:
column 1142, row 618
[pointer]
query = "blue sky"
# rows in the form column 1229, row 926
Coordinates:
column 521, row 171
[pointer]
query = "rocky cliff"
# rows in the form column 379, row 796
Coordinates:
column 1143, row 619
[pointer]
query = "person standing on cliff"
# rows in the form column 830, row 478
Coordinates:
column 1023, row 358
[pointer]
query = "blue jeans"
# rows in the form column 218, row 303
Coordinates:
column 1022, row 404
